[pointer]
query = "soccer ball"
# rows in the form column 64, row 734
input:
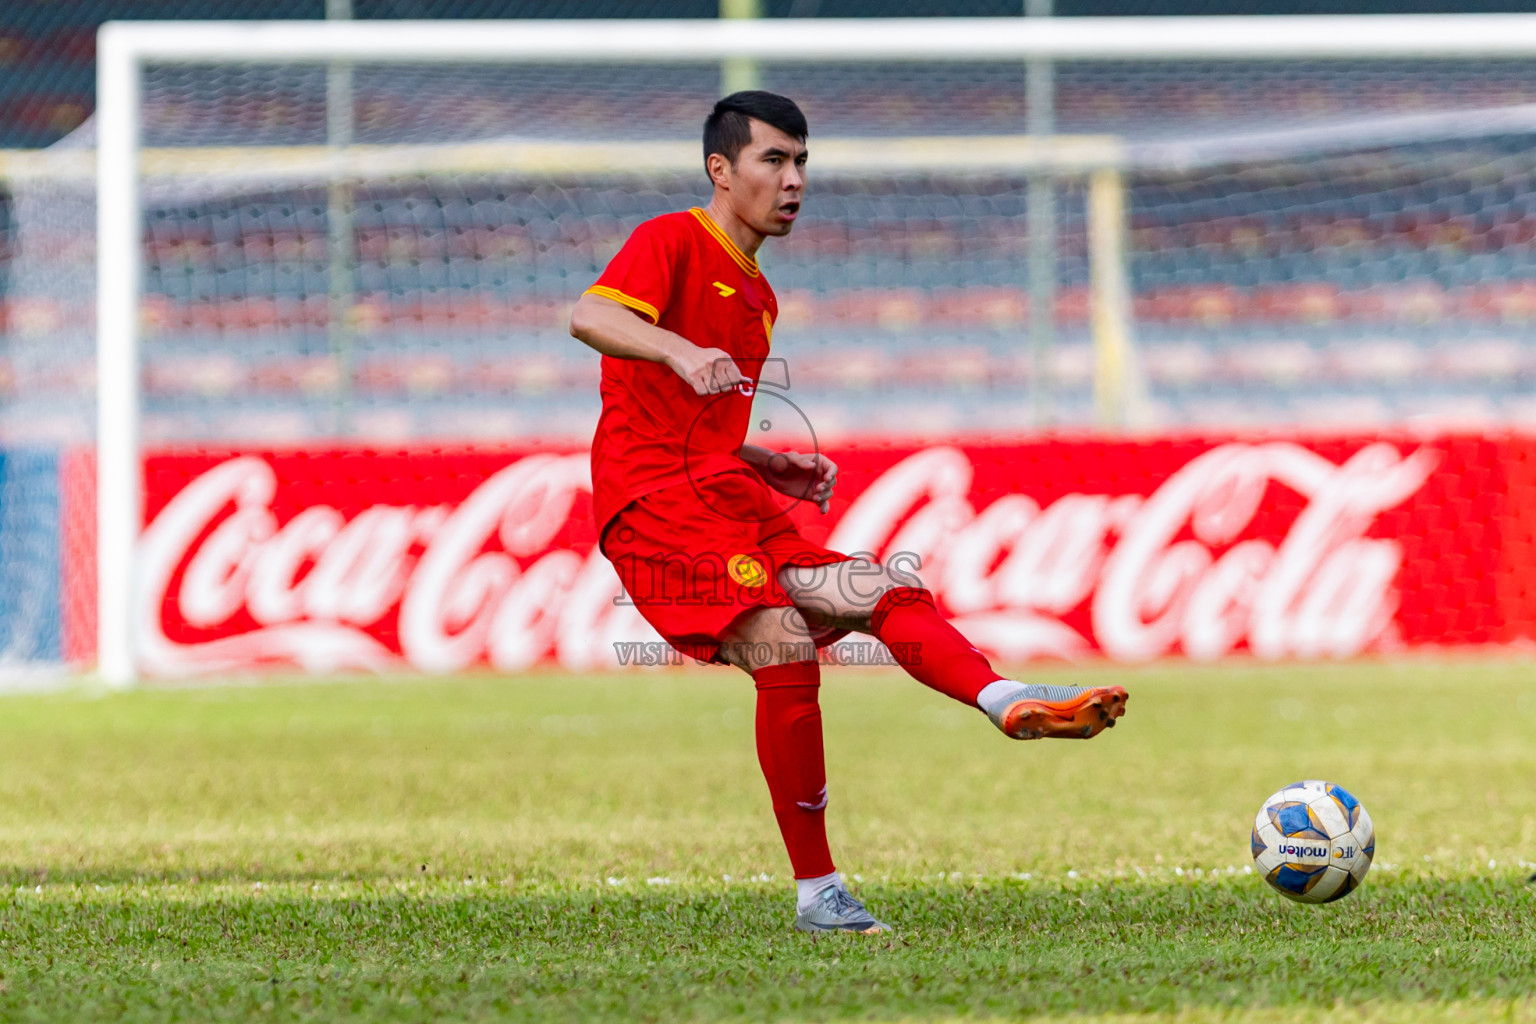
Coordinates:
column 1313, row 842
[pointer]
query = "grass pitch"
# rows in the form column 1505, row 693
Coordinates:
column 560, row 847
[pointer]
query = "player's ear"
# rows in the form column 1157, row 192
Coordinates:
column 719, row 170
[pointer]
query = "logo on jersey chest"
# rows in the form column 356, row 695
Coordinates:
column 726, row 291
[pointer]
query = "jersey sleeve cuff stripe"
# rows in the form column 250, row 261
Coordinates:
column 638, row 305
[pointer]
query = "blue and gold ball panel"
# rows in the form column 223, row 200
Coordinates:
column 1296, row 820
column 1348, row 805
column 1344, row 889
column 1295, row 880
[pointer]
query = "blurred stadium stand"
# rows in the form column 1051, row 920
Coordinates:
column 47, row 46
column 1312, row 291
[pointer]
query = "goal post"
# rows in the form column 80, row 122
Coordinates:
column 119, row 483
column 1099, row 163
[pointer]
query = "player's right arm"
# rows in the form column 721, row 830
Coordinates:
column 616, row 330
column 620, row 315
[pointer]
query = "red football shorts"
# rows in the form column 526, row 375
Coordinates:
column 695, row 556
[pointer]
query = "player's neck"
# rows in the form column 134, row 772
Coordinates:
column 746, row 239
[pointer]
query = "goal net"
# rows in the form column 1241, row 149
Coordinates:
column 337, row 239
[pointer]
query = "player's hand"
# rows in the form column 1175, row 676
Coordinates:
column 709, row 371
column 807, row 477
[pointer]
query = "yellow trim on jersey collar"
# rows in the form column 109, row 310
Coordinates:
column 743, row 261
column 638, row 305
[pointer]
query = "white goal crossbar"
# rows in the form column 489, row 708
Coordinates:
column 124, row 50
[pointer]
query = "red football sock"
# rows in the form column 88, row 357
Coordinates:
column 931, row 650
column 789, row 749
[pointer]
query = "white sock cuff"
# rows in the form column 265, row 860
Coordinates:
column 994, row 692
column 807, row 888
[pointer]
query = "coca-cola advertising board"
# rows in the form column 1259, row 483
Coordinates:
column 442, row 559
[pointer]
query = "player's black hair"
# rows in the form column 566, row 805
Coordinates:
column 728, row 128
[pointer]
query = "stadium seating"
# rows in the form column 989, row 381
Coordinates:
column 1292, row 295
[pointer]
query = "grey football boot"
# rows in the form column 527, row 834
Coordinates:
column 836, row 910
column 1036, row 710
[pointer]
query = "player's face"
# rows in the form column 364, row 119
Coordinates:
column 768, row 181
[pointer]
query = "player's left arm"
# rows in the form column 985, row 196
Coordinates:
column 804, row 477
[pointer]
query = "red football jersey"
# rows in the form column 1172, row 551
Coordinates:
column 681, row 272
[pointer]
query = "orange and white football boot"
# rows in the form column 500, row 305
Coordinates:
column 1032, row 711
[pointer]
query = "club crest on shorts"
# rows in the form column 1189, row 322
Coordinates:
column 746, row 570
